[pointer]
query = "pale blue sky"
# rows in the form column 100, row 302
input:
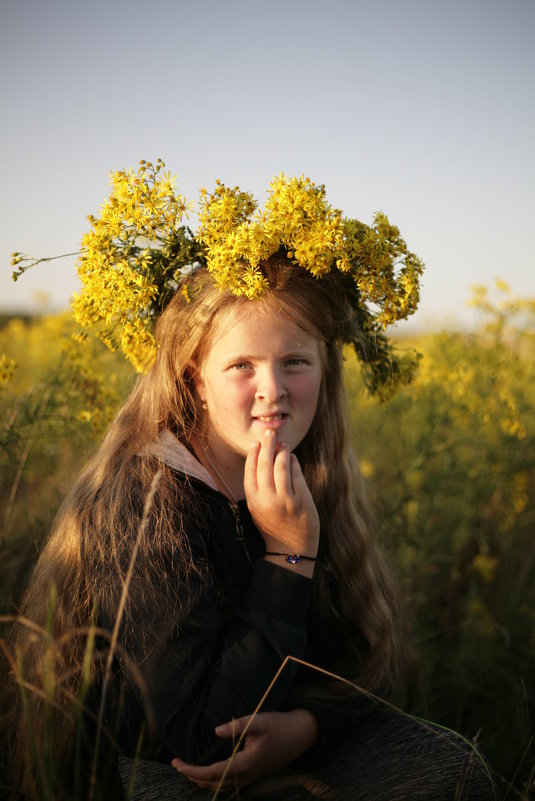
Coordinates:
column 422, row 109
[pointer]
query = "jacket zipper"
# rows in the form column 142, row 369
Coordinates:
column 240, row 536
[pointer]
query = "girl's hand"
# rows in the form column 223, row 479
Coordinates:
column 279, row 499
column 273, row 740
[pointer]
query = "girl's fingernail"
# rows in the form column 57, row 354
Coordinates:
column 221, row 730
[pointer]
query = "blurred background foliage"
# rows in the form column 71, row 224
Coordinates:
column 450, row 464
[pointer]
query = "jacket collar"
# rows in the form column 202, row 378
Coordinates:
column 169, row 450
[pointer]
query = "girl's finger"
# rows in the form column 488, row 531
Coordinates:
column 281, row 471
column 201, row 773
column 236, row 727
column 233, row 728
column 226, row 775
column 250, row 483
column 266, row 456
column 297, row 478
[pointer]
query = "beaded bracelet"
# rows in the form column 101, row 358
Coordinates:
column 292, row 558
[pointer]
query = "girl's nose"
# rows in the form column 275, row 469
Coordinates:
column 270, row 387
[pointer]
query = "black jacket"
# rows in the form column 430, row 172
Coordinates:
column 244, row 617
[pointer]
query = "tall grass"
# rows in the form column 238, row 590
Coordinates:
column 450, row 463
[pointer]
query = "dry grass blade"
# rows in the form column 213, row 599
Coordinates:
column 424, row 723
column 120, row 611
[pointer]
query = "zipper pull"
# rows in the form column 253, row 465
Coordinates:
column 239, row 528
column 240, row 537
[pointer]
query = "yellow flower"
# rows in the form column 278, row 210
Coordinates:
column 7, row 369
column 134, row 256
column 484, row 566
column 366, row 468
column 503, row 286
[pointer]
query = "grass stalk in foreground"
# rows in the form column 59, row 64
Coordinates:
column 426, row 724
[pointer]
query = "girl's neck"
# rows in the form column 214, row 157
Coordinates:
column 225, row 466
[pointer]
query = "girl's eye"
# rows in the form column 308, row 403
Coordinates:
column 295, row 362
column 241, row 366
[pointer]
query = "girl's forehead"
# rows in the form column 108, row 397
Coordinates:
column 259, row 320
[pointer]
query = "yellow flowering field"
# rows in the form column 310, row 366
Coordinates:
column 450, row 464
column 450, row 461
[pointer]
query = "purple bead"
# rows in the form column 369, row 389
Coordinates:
column 293, row 558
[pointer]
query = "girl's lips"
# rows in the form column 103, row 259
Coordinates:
column 273, row 421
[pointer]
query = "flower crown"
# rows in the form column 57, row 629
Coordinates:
column 138, row 254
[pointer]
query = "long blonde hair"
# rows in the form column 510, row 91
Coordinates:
column 91, row 545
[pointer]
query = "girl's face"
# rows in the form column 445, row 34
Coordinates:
column 261, row 372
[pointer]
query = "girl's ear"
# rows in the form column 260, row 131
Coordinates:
column 198, row 381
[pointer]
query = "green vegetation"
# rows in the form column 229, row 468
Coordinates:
column 450, row 463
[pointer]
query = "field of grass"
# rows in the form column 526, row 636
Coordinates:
column 450, row 464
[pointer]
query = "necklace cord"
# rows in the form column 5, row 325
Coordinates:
column 218, row 475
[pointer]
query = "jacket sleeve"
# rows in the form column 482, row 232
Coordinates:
column 215, row 664
column 336, row 719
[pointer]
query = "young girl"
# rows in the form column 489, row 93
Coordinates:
column 222, row 527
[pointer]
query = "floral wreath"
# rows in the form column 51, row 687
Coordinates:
column 138, row 254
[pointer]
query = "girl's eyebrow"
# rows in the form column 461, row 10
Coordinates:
column 290, row 354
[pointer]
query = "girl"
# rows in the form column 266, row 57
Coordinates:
column 222, row 527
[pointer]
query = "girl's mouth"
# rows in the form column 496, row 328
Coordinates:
column 273, row 421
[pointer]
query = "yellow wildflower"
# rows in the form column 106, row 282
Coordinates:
column 135, row 255
column 7, row 369
column 484, row 566
column 366, row 468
